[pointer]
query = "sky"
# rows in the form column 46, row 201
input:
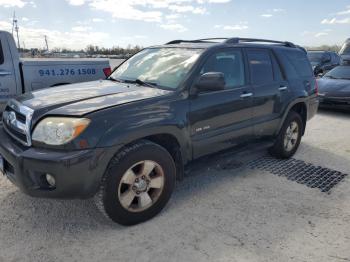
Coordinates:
column 75, row 24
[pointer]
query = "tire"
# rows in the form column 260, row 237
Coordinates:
column 137, row 184
column 280, row 149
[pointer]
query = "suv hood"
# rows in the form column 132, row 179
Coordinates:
column 84, row 98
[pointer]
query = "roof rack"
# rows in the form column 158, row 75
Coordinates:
column 204, row 40
column 235, row 40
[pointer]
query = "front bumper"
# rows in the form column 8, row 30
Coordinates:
column 77, row 173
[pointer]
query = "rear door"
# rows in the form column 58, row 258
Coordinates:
column 269, row 87
column 222, row 119
column 7, row 76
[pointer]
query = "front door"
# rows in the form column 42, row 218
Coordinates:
column 222, row 119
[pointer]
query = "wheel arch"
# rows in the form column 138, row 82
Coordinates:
column 299, row 106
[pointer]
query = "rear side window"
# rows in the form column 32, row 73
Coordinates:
column 1, row 55
column 300, row 63
column 260, row 66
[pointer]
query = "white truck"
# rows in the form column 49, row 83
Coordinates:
column 18, row 76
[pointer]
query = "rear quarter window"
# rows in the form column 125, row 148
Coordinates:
column 300, row 63
column 1, row 55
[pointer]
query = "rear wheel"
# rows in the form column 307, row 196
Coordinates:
column 289, row 138
column 137, row 184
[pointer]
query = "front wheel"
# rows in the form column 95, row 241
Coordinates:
column 289, row 138
column 137, row 184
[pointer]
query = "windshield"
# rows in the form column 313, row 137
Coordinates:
column 315, row 57
column 163, row 67
column 340, row 72
column 345, row 49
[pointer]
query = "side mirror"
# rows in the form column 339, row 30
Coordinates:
column 211, row 81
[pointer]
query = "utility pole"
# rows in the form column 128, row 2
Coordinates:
column 47, row 45
column 16, row 29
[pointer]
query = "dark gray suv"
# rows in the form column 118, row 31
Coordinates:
column 125, row 140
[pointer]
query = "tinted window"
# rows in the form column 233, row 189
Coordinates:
column 327, row 58
column 300, row 63
column 277, row 73
column 260, row 66
column 230, row 63
column 315, row 57
column 1, row 55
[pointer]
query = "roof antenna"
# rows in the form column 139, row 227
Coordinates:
column 47, row 45
column 15, row 28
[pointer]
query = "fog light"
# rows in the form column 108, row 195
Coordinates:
column 50, row 180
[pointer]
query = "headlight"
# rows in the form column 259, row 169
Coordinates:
column 59, row 130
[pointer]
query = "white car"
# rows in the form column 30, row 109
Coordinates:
column 18, row 76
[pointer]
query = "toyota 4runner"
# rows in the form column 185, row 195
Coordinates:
column 126, row 140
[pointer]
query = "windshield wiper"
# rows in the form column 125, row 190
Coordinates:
column 116, row 80
column 142, row 83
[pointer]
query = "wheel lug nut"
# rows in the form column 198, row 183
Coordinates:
column 136, row 180
column 138, row 192
column 143, row 177
column 134, row 188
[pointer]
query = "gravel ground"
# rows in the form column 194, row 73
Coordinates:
column 215, row 214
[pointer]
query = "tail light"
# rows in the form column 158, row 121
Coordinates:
column 107, row 71
column 316, row 87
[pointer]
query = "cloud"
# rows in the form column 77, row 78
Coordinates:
column 25, row 19
column 34, row 37
column 174, row 27
column 97, row 20
column 321, row 34
column 147, row 10
column 81, row 28
column 76, row 2
column 238, row 27
column 12, row 3
column 270, row 12
column 187, row 8
column 346, row 12
column 334, row 20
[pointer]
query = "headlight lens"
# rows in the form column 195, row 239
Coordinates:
column 59, row 130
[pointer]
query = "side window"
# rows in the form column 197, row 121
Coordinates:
column 230, row 63
column 1, row 55
column 327, row 57
column 277, row 73
column 260, row 66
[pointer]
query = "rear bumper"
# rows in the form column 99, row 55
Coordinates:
column 77, row 173
column 312, row 107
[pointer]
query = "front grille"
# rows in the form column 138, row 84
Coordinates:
column 20, row 117
column 17, row 121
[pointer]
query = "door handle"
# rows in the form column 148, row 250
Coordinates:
column 245, row 95
column 283, row 88
column 5, row 73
